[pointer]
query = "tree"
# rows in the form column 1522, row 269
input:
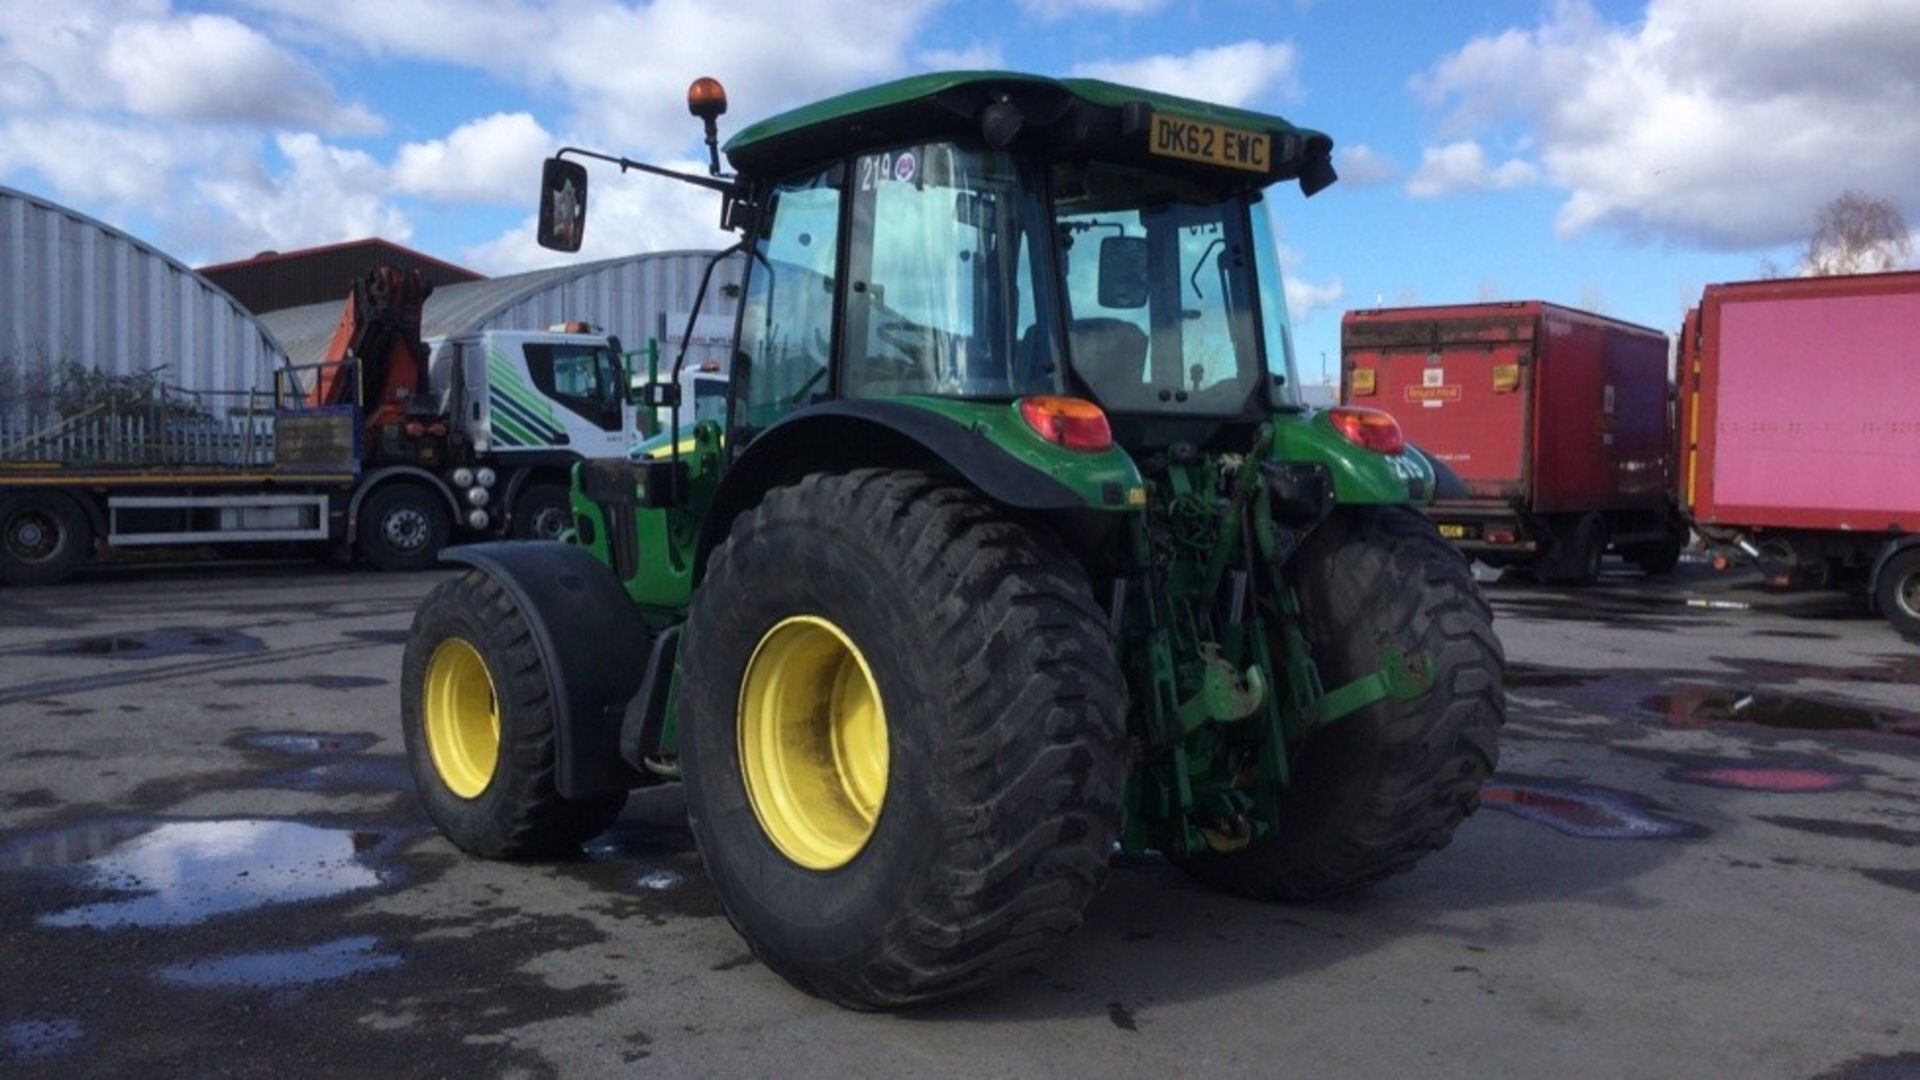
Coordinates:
column 1856, row 234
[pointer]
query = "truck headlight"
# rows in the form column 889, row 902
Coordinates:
column 463, row 477
column 484, row 477
column 478, row 497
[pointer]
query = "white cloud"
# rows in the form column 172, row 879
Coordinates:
column 1718, row 122
column 1362, row 166
column 1462, row 167
column 1061, row 9
column 971, row 58
column 143, row 58
column 770, row 54
column 324, row 194
column 1236, row 74
column 1305, row 297
column 95, row 160
column 626, row 214
column 494, row 159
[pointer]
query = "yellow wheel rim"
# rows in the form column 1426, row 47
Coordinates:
column 813, row 742
column 463, row 718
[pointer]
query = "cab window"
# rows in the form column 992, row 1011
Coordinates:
column 786, row 326
column 585, row 379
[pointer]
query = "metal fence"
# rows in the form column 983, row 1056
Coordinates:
column 167, row 431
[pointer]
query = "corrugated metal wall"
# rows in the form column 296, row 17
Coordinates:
column 74, row 289
column 626, row 296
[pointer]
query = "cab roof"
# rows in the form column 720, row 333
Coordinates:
column 1061, row 117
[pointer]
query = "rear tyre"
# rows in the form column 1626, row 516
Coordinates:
column 1573, row 555
column 478, row 718
column 542, row 512
column 1661, row 556
column 44, row 537
column 902, row 730
column 1374, row 792
column 403, row 527
column 1898, row 594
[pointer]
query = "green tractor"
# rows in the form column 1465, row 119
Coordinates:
column 1016, row 549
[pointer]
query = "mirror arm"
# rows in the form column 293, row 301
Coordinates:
column 723, row 185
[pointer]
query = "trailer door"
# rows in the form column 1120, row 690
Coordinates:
column 1460, row 387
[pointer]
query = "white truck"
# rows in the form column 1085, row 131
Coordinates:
column 391, row 449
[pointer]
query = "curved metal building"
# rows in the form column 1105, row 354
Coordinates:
column 75, row 290
column 634, row 297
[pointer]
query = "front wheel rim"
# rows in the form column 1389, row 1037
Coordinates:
column 813, row 742
column 462, row 718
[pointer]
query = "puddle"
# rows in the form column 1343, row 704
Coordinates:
column 329, row 961
column 1522, row 675
column 317, row 682
column 70, row 844
column 1687, row 706
column 306, row 742
column 1767, row 778
column 355, row 774
column 1584, row 810
column 184, row 872
column 32, row 1040
column 148, row 644
column 660, row 880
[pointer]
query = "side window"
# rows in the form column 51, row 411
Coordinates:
column 786, row 327
column 581, row 378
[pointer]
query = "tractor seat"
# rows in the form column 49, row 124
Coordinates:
column 1108, row 350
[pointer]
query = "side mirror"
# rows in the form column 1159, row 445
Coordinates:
column 563, row 205
column 1123, row 272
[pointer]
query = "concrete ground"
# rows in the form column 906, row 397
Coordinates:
column 1701, row 857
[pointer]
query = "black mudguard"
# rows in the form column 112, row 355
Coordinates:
column 592, row 643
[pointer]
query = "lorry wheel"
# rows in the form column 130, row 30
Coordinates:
column 478, row 718
column 403, row 527
column 1898, row 595
column 1374, row 792
column 542, row 512
column 1661, row 556
column 902, row 731
column 44, row 537
column 1573, row 555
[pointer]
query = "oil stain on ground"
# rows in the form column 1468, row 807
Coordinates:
column 1587, row 811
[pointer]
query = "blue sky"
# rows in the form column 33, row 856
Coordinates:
column 1612, row 155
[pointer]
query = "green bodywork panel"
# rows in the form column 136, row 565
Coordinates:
column 845, row 107
column 1360, row 476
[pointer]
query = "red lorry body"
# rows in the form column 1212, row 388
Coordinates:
column 1547, row 414
column 1800, row 405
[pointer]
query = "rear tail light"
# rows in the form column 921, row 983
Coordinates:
column 1369, row 428
column 1074, row 423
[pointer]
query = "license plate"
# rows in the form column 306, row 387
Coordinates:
column 1454, row 532
column 1213, row 144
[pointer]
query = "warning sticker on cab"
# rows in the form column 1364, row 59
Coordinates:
column 1213, row 144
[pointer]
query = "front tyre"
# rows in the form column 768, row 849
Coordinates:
column 902, row 735
column 478, row 717
column 1374, row 792
column 403, row 526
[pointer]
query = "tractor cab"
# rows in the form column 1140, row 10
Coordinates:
column 1085, row 248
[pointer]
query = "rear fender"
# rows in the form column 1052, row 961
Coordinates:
column 933, row 436
column 592, row 645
